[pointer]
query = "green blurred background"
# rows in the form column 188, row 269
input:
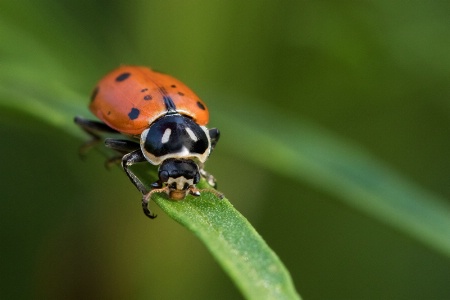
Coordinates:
column 375, row 74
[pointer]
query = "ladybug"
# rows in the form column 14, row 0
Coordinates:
column 162, row 122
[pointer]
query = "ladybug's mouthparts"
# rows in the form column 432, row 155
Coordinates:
column 177, row 194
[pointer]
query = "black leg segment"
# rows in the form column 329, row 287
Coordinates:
column 146, row 210
column 130, row 159
column 94, row 129
column 122, row 146
column 214, row 135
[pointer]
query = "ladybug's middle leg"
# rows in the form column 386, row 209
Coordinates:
column 93, row 128
column 122, row 146
column 208, row 177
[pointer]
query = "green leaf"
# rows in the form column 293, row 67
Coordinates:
column 235, row 244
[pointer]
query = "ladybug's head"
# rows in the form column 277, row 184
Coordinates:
column 179, row 177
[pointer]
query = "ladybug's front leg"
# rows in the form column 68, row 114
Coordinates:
column 208, row 177
column 128, row 160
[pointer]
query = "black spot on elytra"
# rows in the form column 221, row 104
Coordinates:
column 94, row 94
column 134, row 114
column 180, row 93
column 147, row 97
column 123, row 76
column 173, row 86
column 144, row 90
column 109, row 112
column 199, row 104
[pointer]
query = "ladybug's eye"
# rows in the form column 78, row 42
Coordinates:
column 173, row 185
column 164, row 176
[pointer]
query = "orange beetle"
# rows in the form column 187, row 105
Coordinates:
column 165, row 122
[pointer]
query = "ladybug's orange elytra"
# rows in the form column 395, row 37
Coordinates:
column 130, row 98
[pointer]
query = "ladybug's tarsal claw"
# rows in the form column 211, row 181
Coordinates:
column 145, row 208
column 148, row 213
